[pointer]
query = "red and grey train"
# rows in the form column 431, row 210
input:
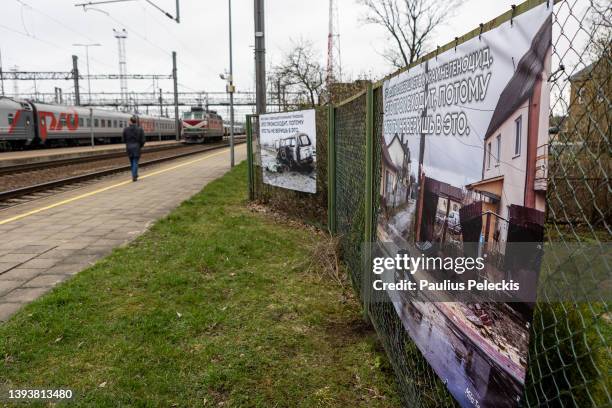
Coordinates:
column 200, row 125
column 26, row 123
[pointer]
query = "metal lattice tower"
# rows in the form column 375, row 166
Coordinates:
column 121, row 36
column 334, row 66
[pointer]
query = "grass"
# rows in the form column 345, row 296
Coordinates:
column 213, row 306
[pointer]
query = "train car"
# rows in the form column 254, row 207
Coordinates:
column 16, row 124
column 25, row 123
column 200, row 125
column 238, row 129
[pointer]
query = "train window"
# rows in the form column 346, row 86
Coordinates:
column 62, row 121
column 96, row 123
column 103, row 122
column 72, row 120
column 80, row 122
column 10, row 118
column 88, row 122
column 115, row 123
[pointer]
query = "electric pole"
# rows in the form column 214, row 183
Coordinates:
column 1, row 74
column 260, row 58
column 87, row 62
column 161, row 104
column 230, row 87
column 75, row 76
column 15, row 69
column 176, row 110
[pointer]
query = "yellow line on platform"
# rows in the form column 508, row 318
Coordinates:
column 91, row 193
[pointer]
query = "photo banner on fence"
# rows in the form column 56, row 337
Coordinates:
column 464, row 177
column 288, row 142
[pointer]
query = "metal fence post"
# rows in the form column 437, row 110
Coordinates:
column 331, row 169
column 368, row 201
column 251, row 178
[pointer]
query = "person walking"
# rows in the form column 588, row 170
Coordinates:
column 134, row 139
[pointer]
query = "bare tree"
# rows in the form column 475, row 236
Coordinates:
column 301, row 74
column 278, row 88
column 409, row 23
column 599, row 17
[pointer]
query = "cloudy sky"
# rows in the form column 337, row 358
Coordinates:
column 38, row 35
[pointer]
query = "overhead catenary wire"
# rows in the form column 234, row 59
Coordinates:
column 41, row 12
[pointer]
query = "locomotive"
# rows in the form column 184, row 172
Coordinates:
column 201, row 125
column 27, row 123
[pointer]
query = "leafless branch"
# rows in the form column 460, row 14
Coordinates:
column 301, row 73
column 410, row 25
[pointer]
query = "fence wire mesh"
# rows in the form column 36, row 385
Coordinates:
column 569, row 352
column 569, row 359
column 350, row 126
column 418, row 383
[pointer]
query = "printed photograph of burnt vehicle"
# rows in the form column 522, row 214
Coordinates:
column 288, row 150
column 295, row 152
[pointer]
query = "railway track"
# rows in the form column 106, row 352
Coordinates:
column 24, row 167
column 12, row 197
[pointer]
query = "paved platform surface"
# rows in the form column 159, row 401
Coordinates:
column 41, row 155
column 47, row 241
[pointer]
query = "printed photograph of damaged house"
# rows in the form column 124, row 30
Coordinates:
column 479, row 348
column 397, row 190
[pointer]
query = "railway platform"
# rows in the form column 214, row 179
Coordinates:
column 47, row 241
column 8, row 159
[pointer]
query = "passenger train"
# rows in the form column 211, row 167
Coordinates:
column 26, row 123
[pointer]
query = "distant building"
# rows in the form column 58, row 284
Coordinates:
column 580, row 160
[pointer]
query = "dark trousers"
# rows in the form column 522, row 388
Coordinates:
column 134, row 165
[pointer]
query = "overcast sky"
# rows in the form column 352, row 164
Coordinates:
column 38, row 35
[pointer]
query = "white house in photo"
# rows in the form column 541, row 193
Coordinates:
column 395, row 183
column 516, row 143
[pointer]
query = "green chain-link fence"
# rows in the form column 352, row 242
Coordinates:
column 569, row 355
